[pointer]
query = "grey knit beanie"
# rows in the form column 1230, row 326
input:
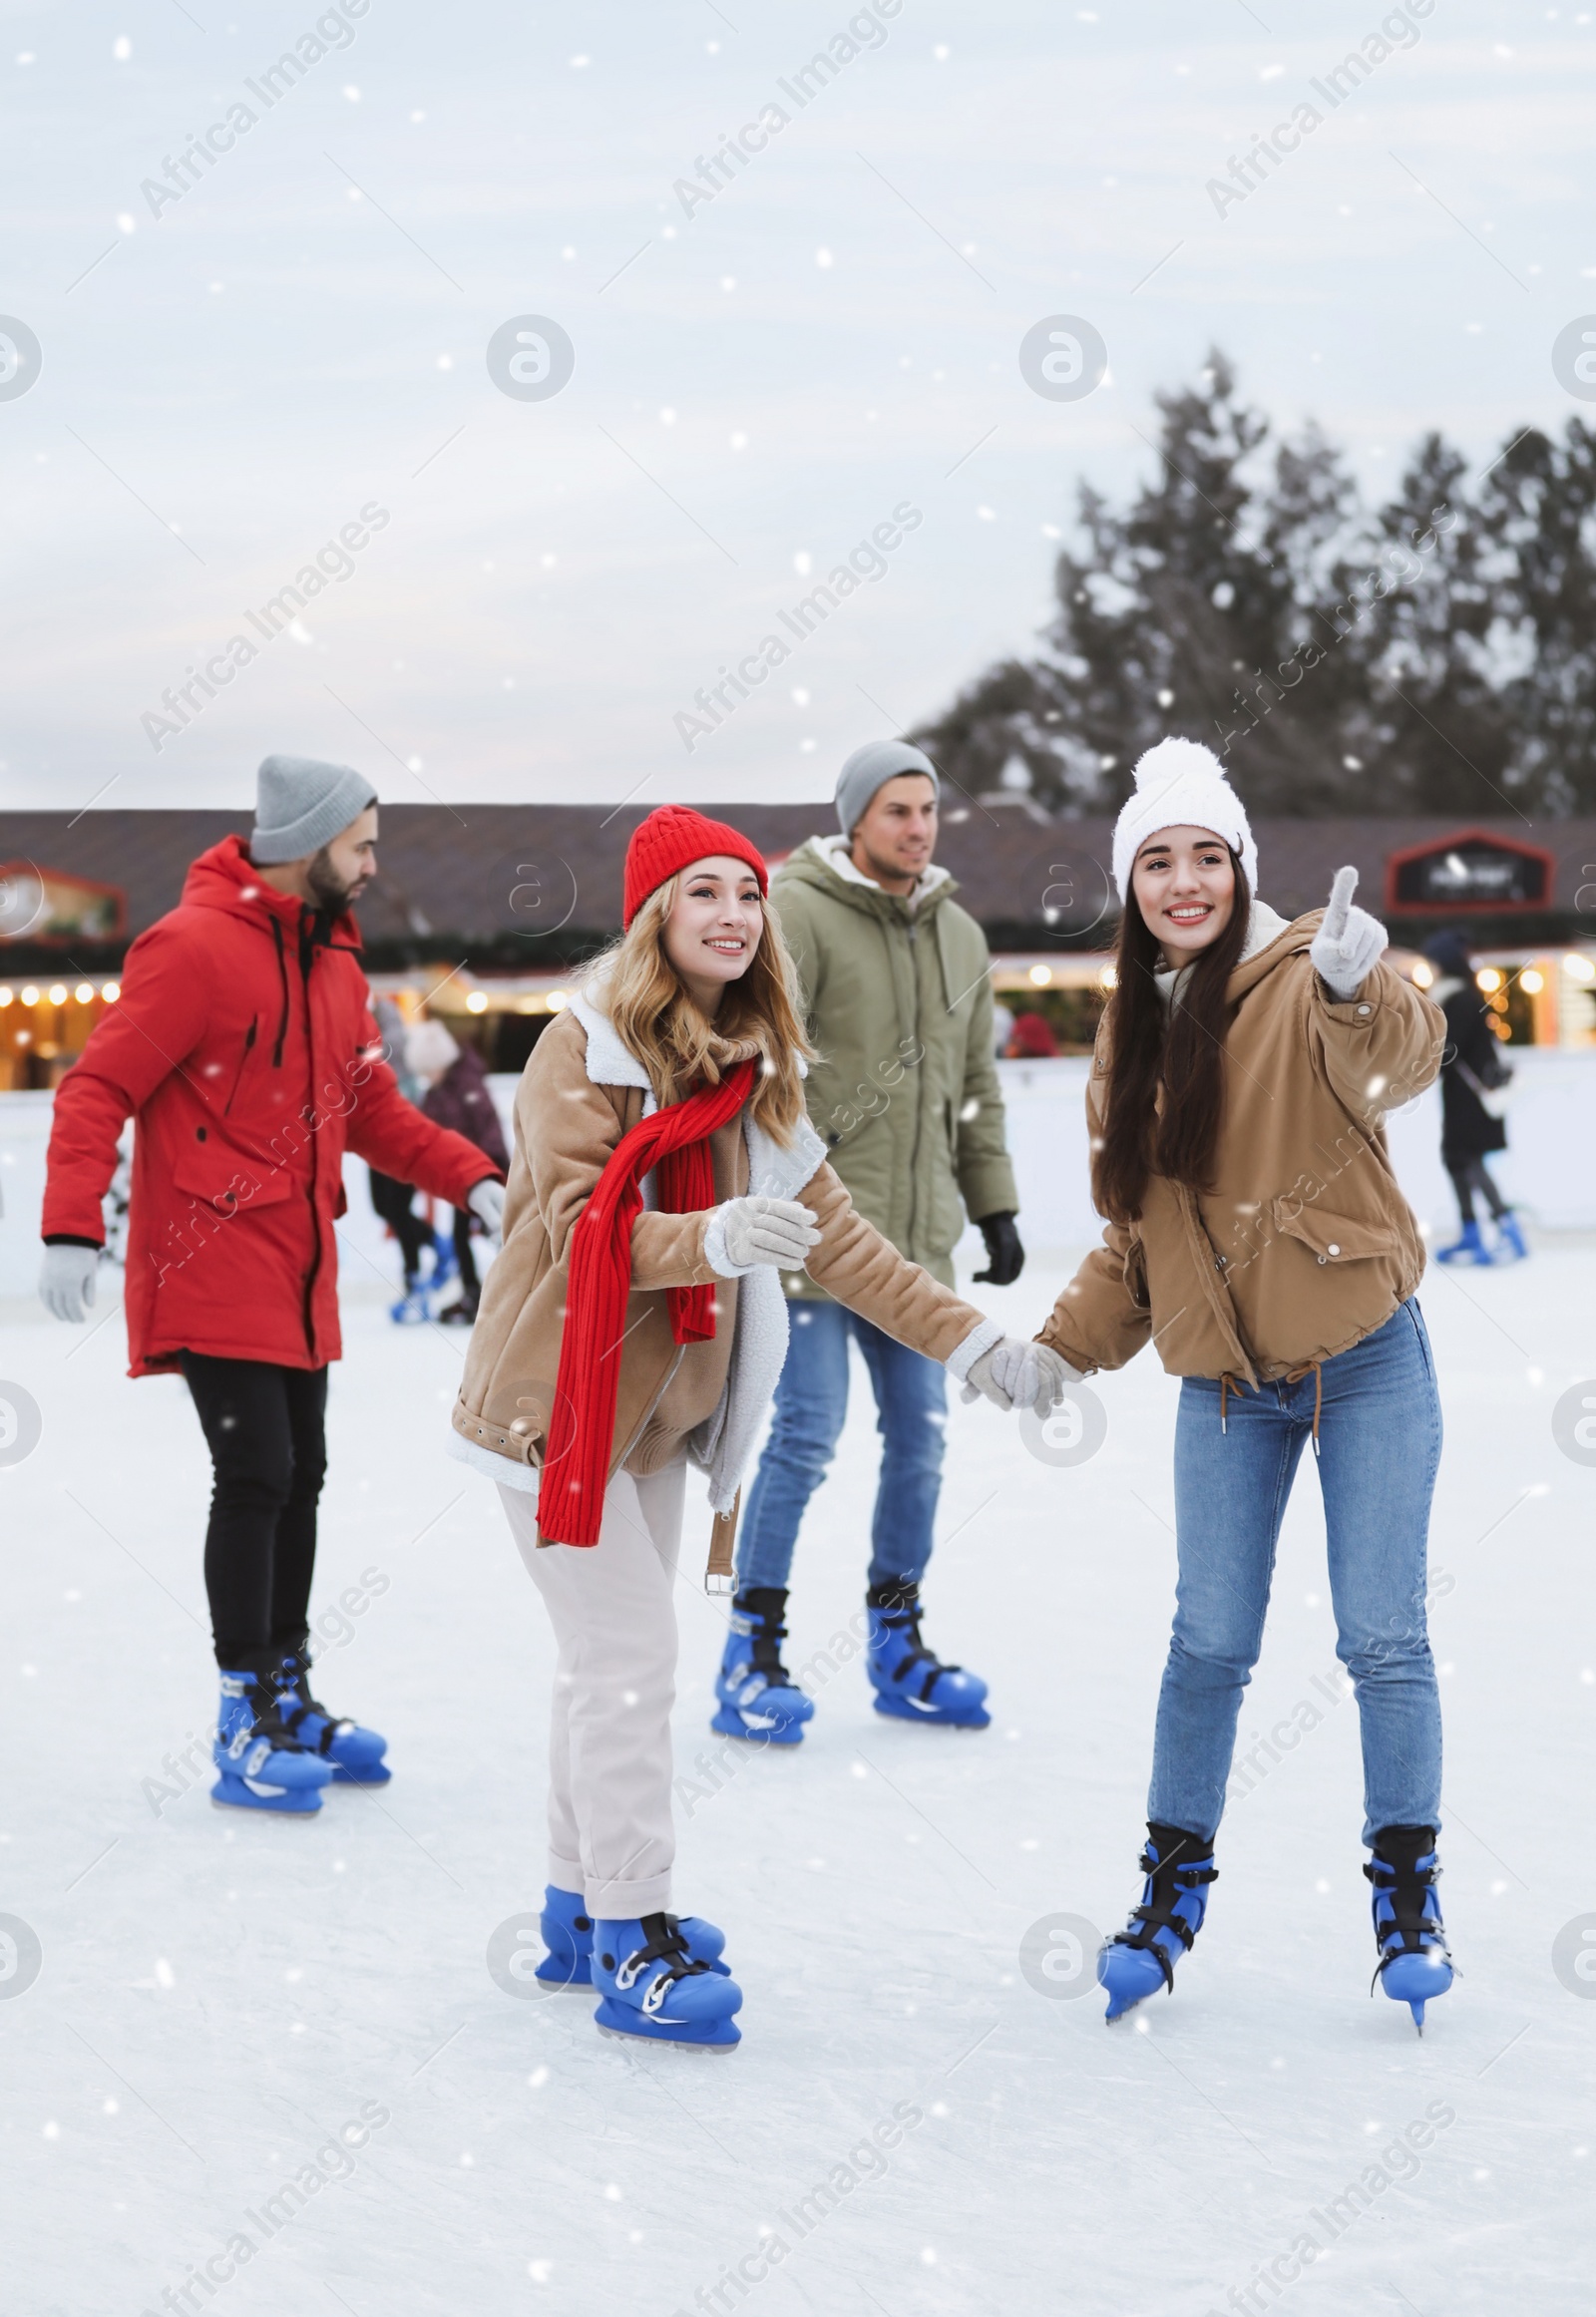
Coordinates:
column 866, row 771
column 301, row 805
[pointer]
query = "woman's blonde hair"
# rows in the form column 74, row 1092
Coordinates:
column 760, row 1015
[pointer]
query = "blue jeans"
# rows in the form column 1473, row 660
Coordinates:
column 811, row 1403
column 1379, row 1446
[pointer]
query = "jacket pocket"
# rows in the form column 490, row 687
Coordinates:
column 227, row 1179
column 244, row 1064
column 1332, row 1238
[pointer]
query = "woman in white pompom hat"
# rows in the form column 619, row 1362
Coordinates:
column 1256, row 1233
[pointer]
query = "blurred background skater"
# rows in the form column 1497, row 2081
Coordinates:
column 457, row 1095
column 393, row 1202
column 1473, row 1079
column 245, row 1050
column 897, row 998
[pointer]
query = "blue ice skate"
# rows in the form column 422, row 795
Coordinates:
column 911, row 1682
column 1510, row 1245
column 353, row 1754
column 759, row 1696
column 1414, row 1965
column 1137, row 1961
column 1468, row 1247
column 414, row 1308
column 567, row 1930
column 655, row 1991
column 260, row 1767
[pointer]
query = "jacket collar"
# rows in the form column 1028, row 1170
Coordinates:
column 833, row 857
column 609, row 1062
column 225, row 878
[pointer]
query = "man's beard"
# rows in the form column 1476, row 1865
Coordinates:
column 879, row 869
column 328, row 887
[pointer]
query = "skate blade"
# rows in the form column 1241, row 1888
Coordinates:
column 672, row 2043
column 377, row 1775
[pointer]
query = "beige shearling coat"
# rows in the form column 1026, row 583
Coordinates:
column 568, row 1121
column 1305, row 1244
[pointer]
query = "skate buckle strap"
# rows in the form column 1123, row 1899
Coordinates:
column 1153, row 1915
column 900, row 1620
column 668, row 1947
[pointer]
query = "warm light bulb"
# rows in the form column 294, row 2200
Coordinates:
column 58, row 994
column 477, row 1002
column 1108, row 978
column 111, row 993
column 1423, row 975
column 1487, row 978
column 558, row 999
column 1579, row 968
column 30, row 995
column 1531, row 981
column 83, row 994
column 1040, row 976
column 6, row 997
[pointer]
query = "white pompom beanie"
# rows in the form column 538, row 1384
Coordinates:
column 1181, row 784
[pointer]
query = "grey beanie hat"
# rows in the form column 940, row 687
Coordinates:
column 301, row 805
column 868, row 768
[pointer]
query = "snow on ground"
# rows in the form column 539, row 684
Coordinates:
column 220, row 1997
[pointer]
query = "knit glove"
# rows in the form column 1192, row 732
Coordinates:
column 1005, row 1258
column 1020, row 1375
column 1349, row 942
column 486, row 1200
column 745, row 1233
column 66, row 1281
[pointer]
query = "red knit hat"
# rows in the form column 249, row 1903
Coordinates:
column 672, row 839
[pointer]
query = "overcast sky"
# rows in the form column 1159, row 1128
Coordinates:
column 233, row 370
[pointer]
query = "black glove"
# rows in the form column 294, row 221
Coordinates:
column 1005, row 1258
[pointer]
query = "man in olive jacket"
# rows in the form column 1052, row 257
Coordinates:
column 898, row 1001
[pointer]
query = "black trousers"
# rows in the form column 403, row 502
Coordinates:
column 392, row 1201
column 470, row 1284
column 1471, row 1175
column 265, row 1427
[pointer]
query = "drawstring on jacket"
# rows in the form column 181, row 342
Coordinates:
column 1316, row 1367
column 283, row 975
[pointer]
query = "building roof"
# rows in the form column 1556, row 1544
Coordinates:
column 507, row 875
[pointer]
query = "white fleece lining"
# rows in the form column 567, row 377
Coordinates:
column 723, row 1442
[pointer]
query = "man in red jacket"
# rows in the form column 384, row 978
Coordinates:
column 243, row 1047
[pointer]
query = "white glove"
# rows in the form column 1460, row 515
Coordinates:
column 486, row 1200
column 1016, row 1373
column 1349, row 942
column 65, row 1281
column 744, row 1232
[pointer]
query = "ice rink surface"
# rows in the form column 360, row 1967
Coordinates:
column 221, row 1996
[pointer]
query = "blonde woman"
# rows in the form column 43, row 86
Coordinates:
column 664, row 1172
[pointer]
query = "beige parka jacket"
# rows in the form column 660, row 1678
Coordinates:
column 581, row 1090
column 1305, row 1244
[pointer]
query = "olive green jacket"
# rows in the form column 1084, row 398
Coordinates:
column 905, row 1095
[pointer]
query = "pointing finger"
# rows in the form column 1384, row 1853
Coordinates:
column 1341, row 901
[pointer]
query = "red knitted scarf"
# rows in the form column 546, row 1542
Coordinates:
column 581, row 1428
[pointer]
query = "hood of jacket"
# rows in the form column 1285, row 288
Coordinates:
column 225, row 878
column 826, row 863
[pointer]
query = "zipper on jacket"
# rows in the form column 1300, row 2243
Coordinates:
column 307, row 957
column 248, row 1045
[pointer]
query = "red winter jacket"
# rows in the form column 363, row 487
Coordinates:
column 245, row 1048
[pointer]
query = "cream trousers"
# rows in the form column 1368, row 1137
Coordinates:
column 611, row 1833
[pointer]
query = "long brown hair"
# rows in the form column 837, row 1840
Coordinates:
column 1178, row 1054
column 760, row 1015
